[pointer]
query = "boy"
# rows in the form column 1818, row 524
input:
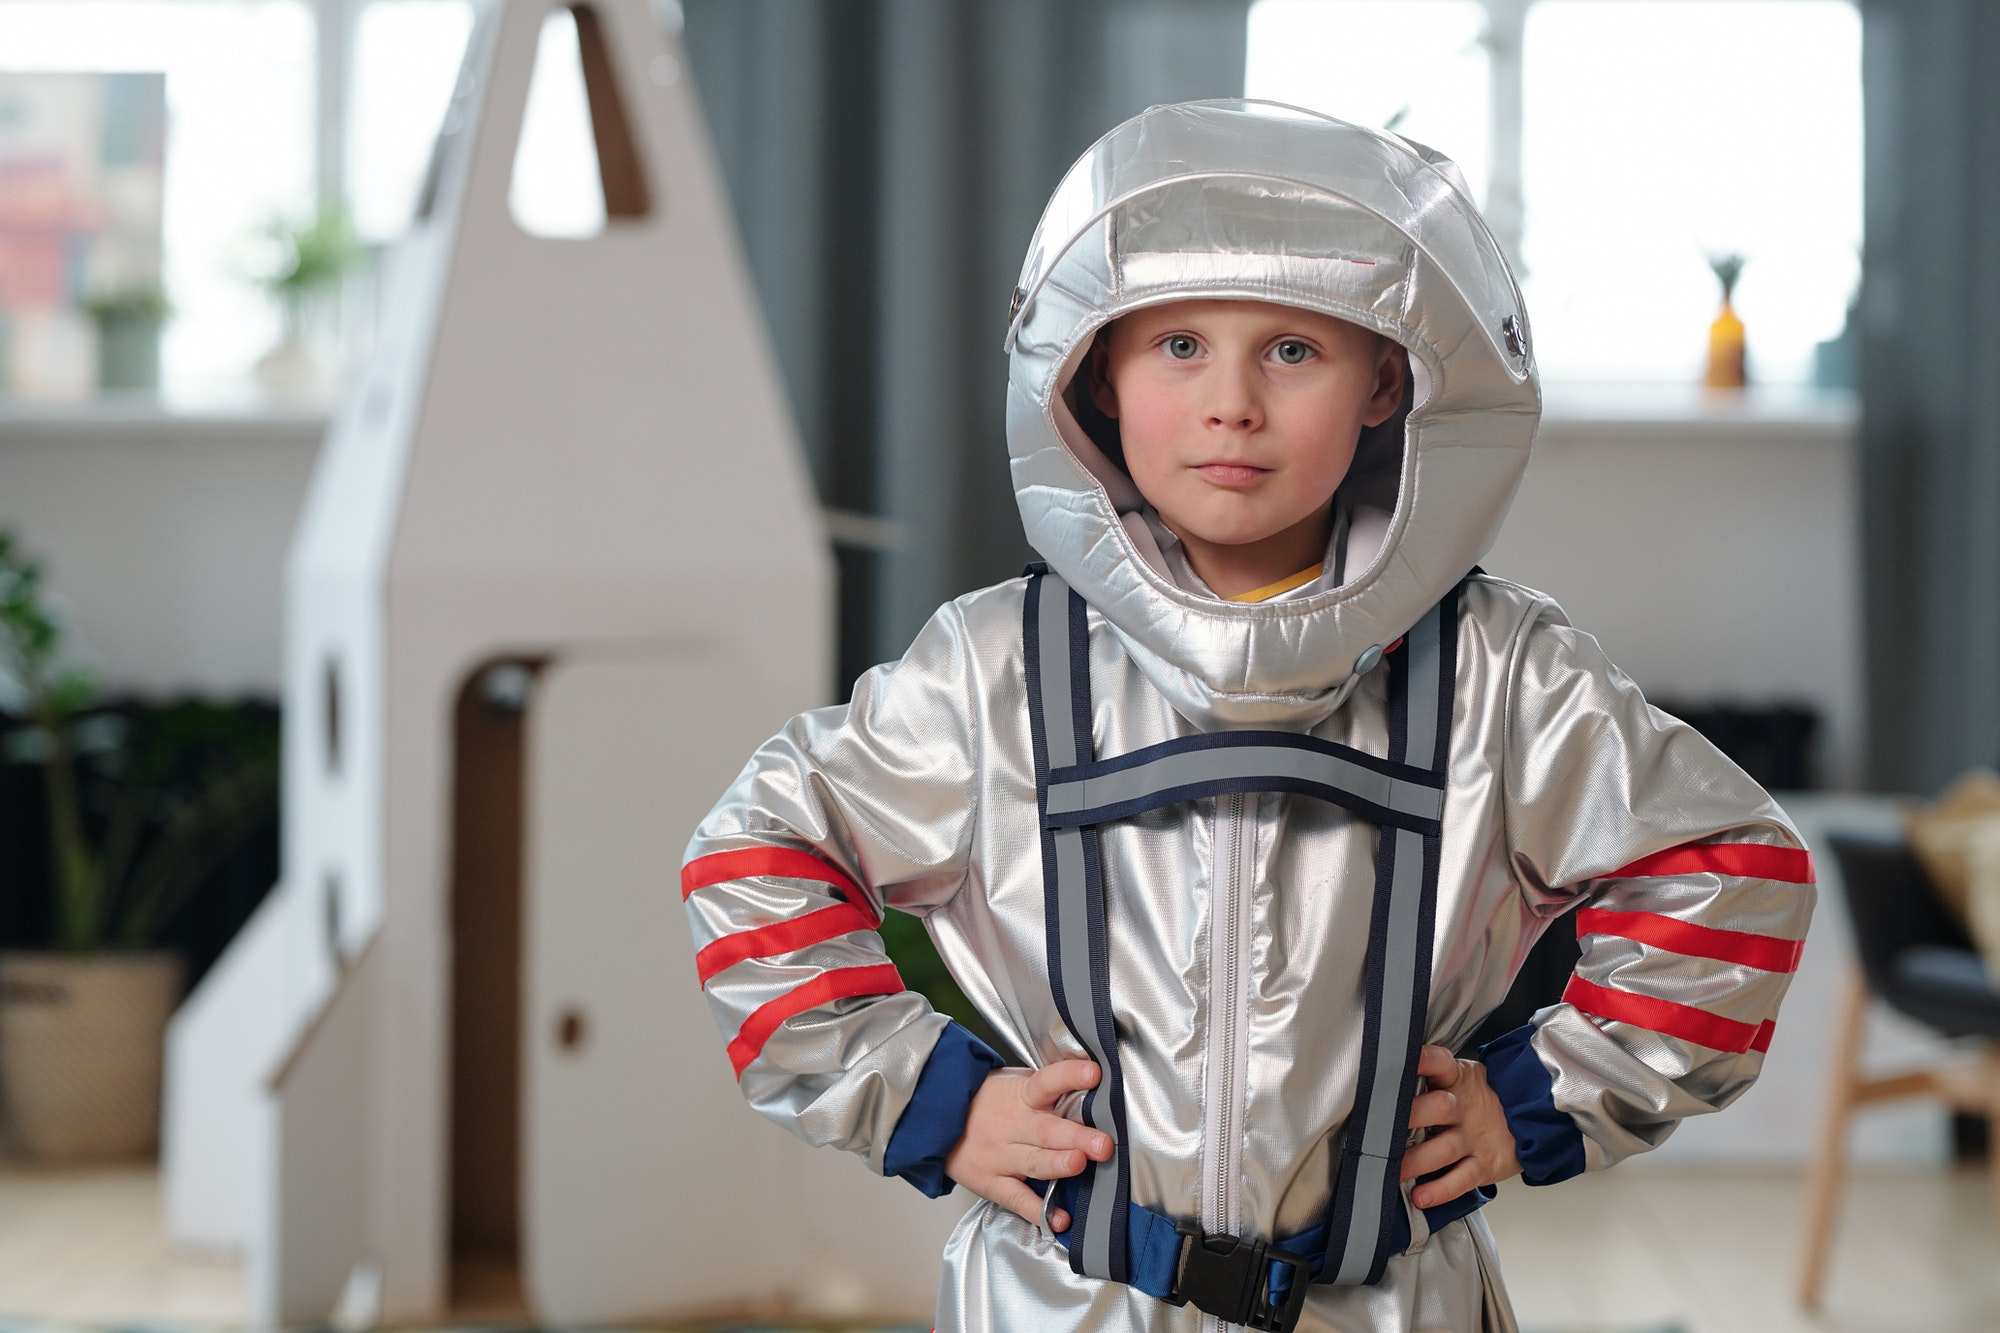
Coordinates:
column 1237, row 818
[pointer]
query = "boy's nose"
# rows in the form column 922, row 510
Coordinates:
column 1234, row 404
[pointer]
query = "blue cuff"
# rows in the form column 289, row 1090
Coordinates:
column 1545, row 1139
column 934, row 1121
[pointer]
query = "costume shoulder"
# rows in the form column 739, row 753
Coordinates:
column 990, row 612
column 1498, row 604
column 1497, row 618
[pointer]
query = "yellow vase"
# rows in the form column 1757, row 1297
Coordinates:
column 1726, row 366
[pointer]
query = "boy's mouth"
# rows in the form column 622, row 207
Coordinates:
column 1231, row 474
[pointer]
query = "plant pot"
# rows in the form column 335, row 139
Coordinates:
column 82, row 1038
column 128, row 352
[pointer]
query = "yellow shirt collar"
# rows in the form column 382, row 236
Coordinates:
column 1270, row 590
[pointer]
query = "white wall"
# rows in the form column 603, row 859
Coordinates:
column 1713, row 549
column 1712, row 546
column 165, row 535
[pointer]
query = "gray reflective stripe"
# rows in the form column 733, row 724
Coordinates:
column 1081, row 994
column 1365, row 1228
column 1425, row 646
column 1073, row 909
column 1053, row 625
column 1401, row 1008
column 1187, row 768
column 1405, row 970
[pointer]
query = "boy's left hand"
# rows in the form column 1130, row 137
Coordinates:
column 1468, row 1127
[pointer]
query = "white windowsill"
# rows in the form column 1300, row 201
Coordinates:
column 239, row 412
column 1584, row 402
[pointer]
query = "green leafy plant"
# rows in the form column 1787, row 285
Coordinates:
column 175, row 793
column 52, row 696
column 312, row 256
column 1727, row 269
column 135, row 305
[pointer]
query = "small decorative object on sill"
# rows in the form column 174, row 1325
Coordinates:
column 1727, row 364
column 1833, row 360
column 312, row 259
column 128, row 336
column 83, row 1024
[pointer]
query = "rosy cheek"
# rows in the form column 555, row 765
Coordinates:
column 1147, row 427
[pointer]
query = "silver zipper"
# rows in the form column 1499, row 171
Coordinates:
column 1235, row 865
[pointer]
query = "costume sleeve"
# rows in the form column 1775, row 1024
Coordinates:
column 844, row 813
column 1692, row 893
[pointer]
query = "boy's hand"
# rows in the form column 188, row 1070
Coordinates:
column 1468, row 1127
column 1012, row 1135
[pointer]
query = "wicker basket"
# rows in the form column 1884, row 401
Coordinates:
column 81, row 1042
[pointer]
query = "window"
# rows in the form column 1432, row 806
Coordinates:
column 1414, row 66
column 406, row 59
column 239, row 152
column 1646, row 137
column 1658, row 132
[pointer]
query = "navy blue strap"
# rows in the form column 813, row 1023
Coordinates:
column 1056, row 635
column 1367, row 1206
column 1156, row 1241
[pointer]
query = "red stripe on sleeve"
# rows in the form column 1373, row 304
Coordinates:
column 1750, row 860
column 1769, row 952
column 1762, row 1041
column 839, row 984
column 786, row 862
column 1662, row 1016
column 780, row 937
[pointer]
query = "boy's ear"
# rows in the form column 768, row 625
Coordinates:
column 1392, row 373
column 1097, row 374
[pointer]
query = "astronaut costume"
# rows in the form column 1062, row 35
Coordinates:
column 1248, row 856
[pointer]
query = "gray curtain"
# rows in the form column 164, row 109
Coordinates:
column 888, row 160
column 1930, row 388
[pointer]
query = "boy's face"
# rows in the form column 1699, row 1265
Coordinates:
column 1239, row 418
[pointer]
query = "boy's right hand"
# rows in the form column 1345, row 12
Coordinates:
column 1012, row 1135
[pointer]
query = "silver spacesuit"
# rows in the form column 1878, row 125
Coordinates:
column 1242, row 971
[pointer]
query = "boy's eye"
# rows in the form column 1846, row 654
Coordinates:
column 1181, row 347
column 1292, row 352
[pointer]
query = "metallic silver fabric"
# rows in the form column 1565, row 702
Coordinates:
column 1239, row 925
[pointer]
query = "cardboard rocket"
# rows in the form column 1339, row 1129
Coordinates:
column 559, row 572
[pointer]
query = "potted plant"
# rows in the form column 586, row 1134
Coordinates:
column 82, row 1023
column 128, row 324
column 309, row 261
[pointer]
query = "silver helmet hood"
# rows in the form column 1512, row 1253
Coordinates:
column 1258, row 201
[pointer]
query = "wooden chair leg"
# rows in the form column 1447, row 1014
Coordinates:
column 1990, row 1078
column 1829, row 1167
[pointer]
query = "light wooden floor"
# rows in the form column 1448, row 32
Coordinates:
column 1709, row 1251
column 86, row 1246
column 1715, row 1251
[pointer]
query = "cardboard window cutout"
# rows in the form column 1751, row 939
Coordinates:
column 576, row 164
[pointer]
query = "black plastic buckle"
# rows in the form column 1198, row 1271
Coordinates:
column 1230, row 1278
